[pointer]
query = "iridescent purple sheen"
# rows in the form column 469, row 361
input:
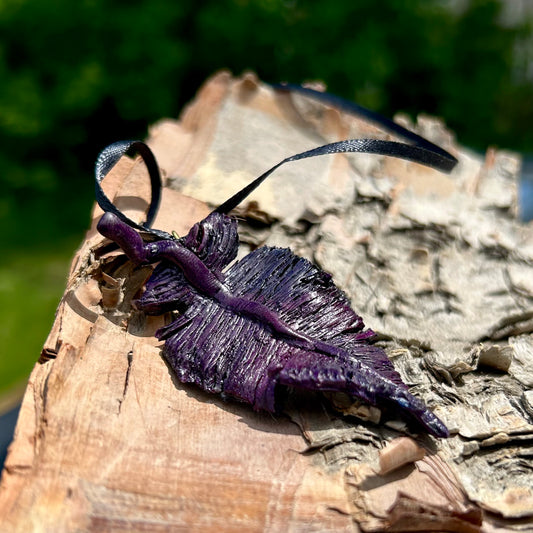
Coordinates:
column 270, row 320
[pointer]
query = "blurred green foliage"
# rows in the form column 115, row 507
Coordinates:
column 76, row 76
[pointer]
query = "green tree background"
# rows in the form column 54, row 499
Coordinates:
column 76, row 76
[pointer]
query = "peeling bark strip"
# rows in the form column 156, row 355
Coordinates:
column 439, row 266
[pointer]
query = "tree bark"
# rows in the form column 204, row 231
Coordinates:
column 439, row 266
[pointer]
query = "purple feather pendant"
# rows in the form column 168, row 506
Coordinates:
column 272, row 320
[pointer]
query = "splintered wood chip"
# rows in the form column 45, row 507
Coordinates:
column 399, row 452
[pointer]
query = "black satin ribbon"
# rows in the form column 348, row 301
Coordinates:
column 107, row 159
column 439, row 158
column 418, row 149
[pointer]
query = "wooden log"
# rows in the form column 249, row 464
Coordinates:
column 109, row 440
